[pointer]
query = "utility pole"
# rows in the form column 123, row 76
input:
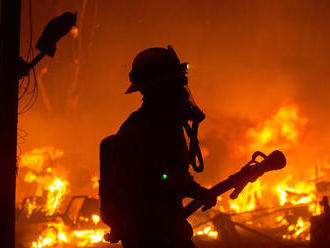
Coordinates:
column 11, row 69
column 9, row 57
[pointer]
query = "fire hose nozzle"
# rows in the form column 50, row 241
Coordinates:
column 253, row 170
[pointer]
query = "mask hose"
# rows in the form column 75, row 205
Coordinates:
column 194, row 149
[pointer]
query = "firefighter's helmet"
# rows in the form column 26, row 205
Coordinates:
column 153, row 66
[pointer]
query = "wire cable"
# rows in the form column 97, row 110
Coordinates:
column 29, row 89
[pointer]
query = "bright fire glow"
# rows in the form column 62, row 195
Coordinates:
column 51, row 187
column 95, row 182
column 206, row 230
column 248, row 199
column 281, row 131
column 58, row 234
column 278, row 132
column 36, row 159
column 95, row 219
column 56, row 190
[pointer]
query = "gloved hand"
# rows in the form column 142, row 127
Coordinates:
column 208, row 199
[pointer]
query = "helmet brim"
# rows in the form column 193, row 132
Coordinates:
column 132, row 88
column 137, row 87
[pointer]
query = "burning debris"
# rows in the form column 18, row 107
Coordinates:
column 288, row 217
column 50, row 183
column 278, row 210
column 79, row 225
column 61, row 235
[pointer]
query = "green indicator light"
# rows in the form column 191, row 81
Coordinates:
column 164, row 176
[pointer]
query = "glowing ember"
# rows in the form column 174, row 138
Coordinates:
column 95, row 219
column 95, row 182
column 207, row 230
column 298, row 231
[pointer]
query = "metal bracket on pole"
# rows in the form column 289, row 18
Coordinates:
column 56, row 28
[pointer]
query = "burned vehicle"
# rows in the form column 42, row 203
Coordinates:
column 78, row 226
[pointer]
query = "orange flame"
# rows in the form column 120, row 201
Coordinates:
column 58, row 234
column 278, row 132
column 50, row 186
column 207, row 230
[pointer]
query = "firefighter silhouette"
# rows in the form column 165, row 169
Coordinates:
column 144, row 167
